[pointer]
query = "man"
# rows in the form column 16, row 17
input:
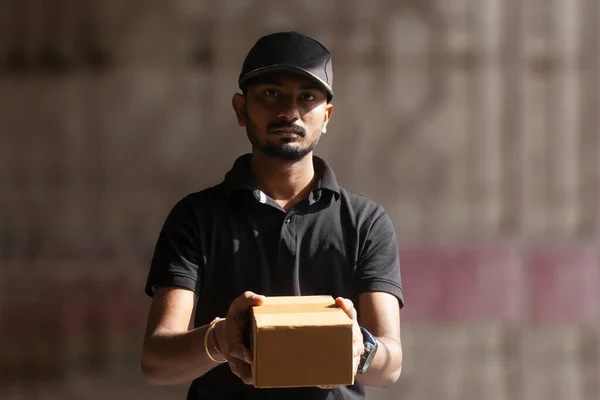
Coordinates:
column 279, row 224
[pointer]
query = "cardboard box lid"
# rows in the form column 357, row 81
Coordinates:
column 293, row 311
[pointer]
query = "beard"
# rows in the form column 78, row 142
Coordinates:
column 285, row 149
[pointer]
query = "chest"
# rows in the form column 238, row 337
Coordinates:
column 276, row 253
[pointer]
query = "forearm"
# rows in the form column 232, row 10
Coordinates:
column 385, row 368
column 178, row 357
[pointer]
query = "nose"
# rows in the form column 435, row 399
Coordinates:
column 288, row 110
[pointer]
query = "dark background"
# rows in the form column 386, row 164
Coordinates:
column 474, row 122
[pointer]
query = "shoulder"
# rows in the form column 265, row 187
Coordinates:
column 365, row 209
column 213, row 195
column 199, row 202
column 365, row 216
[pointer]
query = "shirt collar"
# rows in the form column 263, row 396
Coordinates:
column 239, row 177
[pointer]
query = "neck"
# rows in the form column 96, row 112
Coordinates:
column 286, row 182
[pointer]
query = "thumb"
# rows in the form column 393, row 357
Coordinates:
column 253, row 299
column 346, row 305
column 247, row 300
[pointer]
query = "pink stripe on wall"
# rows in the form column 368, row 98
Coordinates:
column 461, row 282
column 501, row 283
column 564, row 286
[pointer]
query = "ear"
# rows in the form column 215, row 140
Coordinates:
column 328, row 112
column 239, row 107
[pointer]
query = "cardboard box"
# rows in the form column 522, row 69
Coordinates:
column 301, row 341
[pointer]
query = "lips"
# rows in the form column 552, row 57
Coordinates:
column 287, row 133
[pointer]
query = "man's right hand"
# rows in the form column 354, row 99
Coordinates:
column 229, row 335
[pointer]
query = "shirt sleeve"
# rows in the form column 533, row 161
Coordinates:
column 378, row 267
column 178, row 258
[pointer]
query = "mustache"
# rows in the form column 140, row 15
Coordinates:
column 286, row 125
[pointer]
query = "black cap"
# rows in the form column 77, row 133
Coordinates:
column 289, row 52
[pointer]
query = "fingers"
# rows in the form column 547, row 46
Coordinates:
column 357, row 343
column 358, row 350
column 242, row 370
column 348, row 307
column 355, row 364
column 240, row 363
column 240, row 352
column 358, row 347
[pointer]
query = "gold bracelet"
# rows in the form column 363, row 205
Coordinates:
column 210, row 328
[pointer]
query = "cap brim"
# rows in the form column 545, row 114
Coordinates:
column 286, row 68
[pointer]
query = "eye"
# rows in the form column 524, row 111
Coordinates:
column 307, row 96
column 270, row 92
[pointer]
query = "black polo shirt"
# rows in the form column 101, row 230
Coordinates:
column 230, row 238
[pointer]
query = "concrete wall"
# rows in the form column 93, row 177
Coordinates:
column 474, row 122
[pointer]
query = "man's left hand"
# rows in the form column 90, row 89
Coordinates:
column 358, row 347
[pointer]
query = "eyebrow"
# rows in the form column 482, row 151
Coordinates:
column 310, row 86
column 277, row 82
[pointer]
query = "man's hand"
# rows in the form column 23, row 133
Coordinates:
column 358, row 347
column 229, row 335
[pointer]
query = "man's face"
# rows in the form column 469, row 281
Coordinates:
column 284, row 115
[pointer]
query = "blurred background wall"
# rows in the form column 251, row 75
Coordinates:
column 474, row 122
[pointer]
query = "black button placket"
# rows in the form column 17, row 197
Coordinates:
column 287, row 259
column 286, row 270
